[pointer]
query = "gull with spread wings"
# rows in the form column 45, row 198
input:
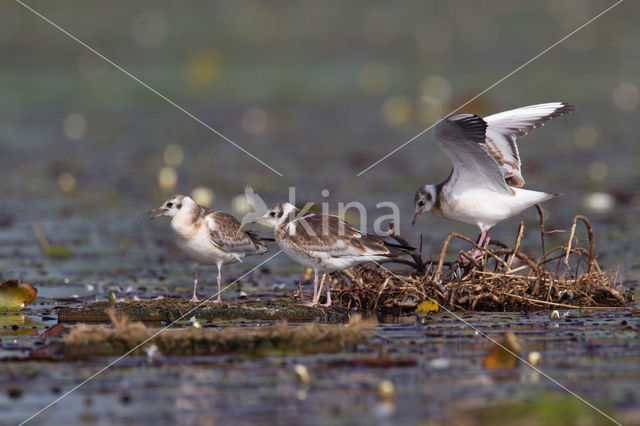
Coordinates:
column 484, row 186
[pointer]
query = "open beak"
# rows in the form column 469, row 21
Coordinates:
column 162, row 211
column 415, row 218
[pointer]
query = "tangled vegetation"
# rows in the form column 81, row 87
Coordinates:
column 506, row 279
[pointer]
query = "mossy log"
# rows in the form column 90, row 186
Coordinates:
column 125, row 336
column 172, row 309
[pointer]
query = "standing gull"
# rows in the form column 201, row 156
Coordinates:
column 207, row 236
column 484, row 185
column 325, row 243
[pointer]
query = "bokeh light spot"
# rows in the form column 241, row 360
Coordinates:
column 167, row 178
column 436, row 86
column 203, row 196
column 75, row 126
column 599, row 201
column 396, row 111
column 204, row 67
column 625, row 96
column 173, row 155
column 585, row 137
column 67, row 182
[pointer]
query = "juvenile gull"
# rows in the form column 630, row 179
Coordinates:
column 484, row 186
column 325, row 243
column 207, row 236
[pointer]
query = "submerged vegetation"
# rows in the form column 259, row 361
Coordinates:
column 506, row 279
column 548, row 409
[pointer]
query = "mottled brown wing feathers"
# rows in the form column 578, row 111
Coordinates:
column 226, row 232
column 334, row 236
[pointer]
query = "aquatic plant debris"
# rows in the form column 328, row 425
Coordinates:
column 567, row 277
column 16, row 295
column 51, row 250
column 85, row 341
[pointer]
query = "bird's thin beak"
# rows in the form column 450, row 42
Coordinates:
column 415, row 218
column 162, row 211
column 260, row 219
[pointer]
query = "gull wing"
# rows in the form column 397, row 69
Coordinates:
column 462, row 137
column 333, row 236
column 503, row 129
column 226, row 233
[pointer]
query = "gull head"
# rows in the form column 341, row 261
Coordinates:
column 423, row 201
column 171, row 207
column 277, row 215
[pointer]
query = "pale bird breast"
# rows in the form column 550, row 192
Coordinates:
column 184, row 230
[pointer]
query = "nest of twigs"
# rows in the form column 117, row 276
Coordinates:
column 564, row 277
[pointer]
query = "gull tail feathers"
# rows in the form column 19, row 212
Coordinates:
column 526, row 196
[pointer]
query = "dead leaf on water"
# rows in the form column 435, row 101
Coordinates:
column 56, row 330
column 503, row 356
column 16, row 295
column 428, row 305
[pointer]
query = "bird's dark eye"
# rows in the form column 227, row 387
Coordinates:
column 421, row 203
column 428, row 197
column 272, row 214
column 169, row 204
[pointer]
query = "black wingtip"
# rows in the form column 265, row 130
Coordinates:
column 401, row 247
column 473, row 127
column 566, row 108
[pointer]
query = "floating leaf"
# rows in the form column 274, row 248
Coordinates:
column 428, row 305
column 16, row 295
column 503, row 356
